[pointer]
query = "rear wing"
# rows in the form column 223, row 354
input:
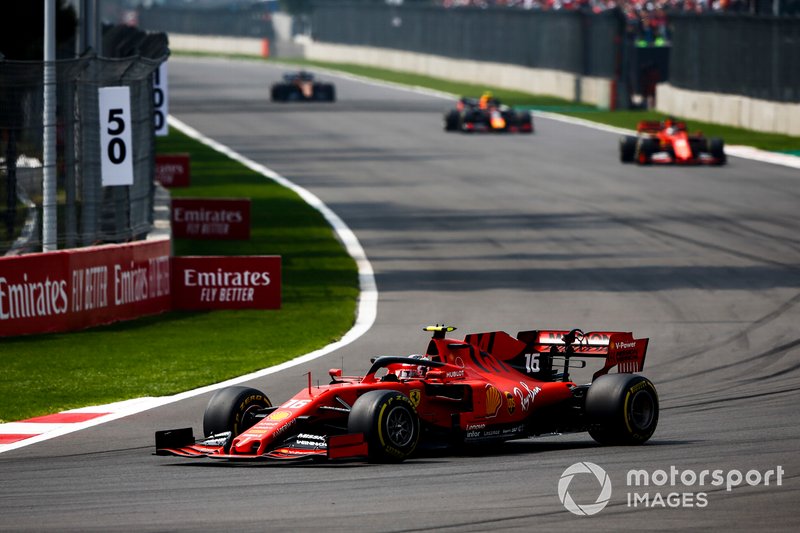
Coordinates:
column 618, row 349
column 654, row 126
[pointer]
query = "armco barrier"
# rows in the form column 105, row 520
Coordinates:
column 84, row 287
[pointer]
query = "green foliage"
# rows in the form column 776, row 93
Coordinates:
column 178, row 351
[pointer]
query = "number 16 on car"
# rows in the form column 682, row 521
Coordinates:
column 116, row 152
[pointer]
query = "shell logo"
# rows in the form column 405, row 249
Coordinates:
column 510, row 403
column 493, row 401
column 279, row 415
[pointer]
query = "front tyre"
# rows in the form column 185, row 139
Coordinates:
column 645, row 148
column 622, row 409
column 452, row 120
column 627, row 148
column 389, row 423
column 233, row 409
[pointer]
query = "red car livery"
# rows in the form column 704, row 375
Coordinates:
column 669, row 142
column 483, row 389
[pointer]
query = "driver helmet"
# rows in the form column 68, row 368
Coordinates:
column 411, row 371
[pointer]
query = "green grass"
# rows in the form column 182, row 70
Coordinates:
column 178, row 351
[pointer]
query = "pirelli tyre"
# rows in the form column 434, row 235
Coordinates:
column 716, row 148
column 645, row 148
column 525, row 121
column 325, row 92
column 452, row 120
column 233, row 409
column 622, row 409
column 389, row 423
column 627, row 148
column 278, row 93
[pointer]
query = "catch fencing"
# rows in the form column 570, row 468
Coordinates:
column 570, row 41
column 733, row 53
column 755, row 56
column 87, row 212
column 242, row 21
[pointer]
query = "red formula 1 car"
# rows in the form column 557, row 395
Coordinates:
column 669, row 142
column 302, row 87
column 487, row 114
column 484, row 389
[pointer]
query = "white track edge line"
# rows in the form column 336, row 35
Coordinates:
column 366, row 314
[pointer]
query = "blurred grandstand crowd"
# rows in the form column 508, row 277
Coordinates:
column 646, row 19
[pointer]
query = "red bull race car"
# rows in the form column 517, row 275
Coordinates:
column 669, row 142
column 302, row 87
column 487, row 114
column 483, row 389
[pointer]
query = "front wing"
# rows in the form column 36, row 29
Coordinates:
column 181, row 443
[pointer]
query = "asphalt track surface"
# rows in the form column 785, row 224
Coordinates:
column 485, row 233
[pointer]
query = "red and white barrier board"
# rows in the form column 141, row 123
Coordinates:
column 85, row 287
column 211, row 218
column 230, row 282
column 173, row 170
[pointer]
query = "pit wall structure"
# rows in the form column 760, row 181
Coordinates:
column 731, row 110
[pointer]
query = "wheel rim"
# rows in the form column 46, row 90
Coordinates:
column 642, row 410
column 248, row 419
column 400, row 427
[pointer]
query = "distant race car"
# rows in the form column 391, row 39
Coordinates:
column 487, row 114
column 669, row 142
column 302, row 87
column 484, row 389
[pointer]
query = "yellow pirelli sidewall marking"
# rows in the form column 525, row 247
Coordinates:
column 625, row 411
column 380, row 425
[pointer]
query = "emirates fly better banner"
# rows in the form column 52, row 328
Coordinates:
column 211, row 218
column 237, row 282
column 173, row 170
column 85, row 287
column 75, row 289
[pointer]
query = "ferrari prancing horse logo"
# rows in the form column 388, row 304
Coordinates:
column 414, row 395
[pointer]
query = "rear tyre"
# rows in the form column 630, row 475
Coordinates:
column 627, row 148
column 526, row 122
column 324, row 92
column 717, row 149
column 622, row 409
column 233, row 409
column 389, row 423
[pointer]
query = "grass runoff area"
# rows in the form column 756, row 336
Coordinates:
column 622, row 119
column 173, row 352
